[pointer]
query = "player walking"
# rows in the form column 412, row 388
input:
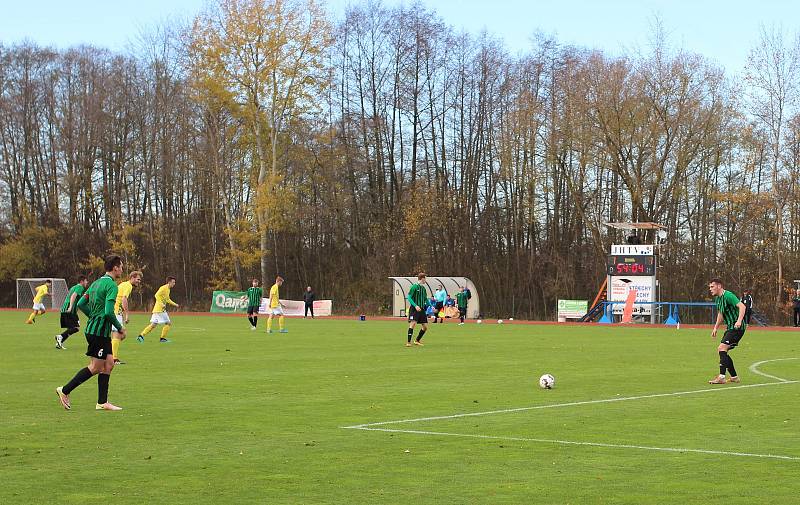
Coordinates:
column 121, row 310
column 38, row 307
column 160, row 315
column 254, row 295
column 730, row 310
column 98, row 304
column 462, row 298
column 275, row 306
column 417, row 299
column 69, row 312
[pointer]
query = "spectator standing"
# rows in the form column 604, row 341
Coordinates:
column 747, row 300
column 308, row 298
column 796, row 308
column 439, row 296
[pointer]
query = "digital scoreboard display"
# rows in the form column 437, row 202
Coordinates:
column 630, row 265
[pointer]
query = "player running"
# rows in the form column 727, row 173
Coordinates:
column 160, row 315
column 730, row 310
column 121, row 310
column 254, row 295
column 418, row 300
column 38, row 307
column 69, row 311
column 98, row 304
column 275, row 306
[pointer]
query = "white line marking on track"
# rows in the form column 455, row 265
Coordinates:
column 754, row 369
column 571, row 404
column 591, row 444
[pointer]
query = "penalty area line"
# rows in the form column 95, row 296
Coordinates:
column 588, row 444
column 569, row 404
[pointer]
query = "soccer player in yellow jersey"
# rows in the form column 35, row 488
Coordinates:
column 121, row 310
column 275, row 306
column 160, row 315
column 38, row 307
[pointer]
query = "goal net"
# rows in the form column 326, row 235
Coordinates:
column 26, row 289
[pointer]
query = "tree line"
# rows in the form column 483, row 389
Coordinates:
column 263, row 137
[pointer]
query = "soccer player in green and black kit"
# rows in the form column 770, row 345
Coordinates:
column 98, row 304
column 254, row 295
column 462, row 298
column 69, row 312
column 730, row 310
column 418, row 301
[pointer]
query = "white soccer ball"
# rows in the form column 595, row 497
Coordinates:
column 479, row 321
column 510, row 318
column 499, row 321
column 547, row 381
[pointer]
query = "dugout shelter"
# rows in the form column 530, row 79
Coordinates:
column 401, row 285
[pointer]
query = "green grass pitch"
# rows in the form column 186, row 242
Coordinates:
column 226, row 415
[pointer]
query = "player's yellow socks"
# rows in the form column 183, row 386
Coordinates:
column 280, row 322
column 148, row 329
column 115, row 347
column 165, row 330
column 269, row 323
column 32, row 316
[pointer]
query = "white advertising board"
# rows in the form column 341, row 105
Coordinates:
column 618, row 288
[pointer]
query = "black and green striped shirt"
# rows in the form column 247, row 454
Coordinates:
column 99, row 305
column 78, row 290
column 417, row 296
column 254, row 296
column 461, row 299
column 727, row 305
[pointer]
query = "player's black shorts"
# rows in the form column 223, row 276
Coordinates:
column 417, row 315
column 70, row 320
column 462, row 312
column 99, row 347
column 732, row 337
column 252, row 309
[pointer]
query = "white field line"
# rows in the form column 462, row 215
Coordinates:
column 591, row 444
column 570, row 404
column 754, row 368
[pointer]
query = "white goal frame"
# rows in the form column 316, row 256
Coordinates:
column 26, row 289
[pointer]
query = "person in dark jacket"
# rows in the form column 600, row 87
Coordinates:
column 309, row 298
column 747, row 300
column 796, row 307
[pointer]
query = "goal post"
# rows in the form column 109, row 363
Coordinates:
column 26, row 289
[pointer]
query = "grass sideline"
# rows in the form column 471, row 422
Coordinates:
column 226, row 415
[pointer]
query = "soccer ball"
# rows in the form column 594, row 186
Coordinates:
column 547, row 381
column 479, row 321
column 510, row 318
column 499, row 321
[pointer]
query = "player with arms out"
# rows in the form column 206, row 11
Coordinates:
column 275, row 306
column 160, row 315
column 98, row 304
column 38, row 307
column 731, row 311
column 121, row 310
column 69, row 312
column 418, row 300
column 254, row 294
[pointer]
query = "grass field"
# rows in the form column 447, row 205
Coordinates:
column 226, row 415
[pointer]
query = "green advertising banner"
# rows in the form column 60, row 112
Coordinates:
column 229, row 301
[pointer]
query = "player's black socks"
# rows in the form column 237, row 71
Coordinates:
column 83, row 375
column 255, row 321
column 410, row 333
column 419, row 337
column 723, row 362
column 730, row 366
column 250, row 318
column 102, row 387
column 67, row 333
